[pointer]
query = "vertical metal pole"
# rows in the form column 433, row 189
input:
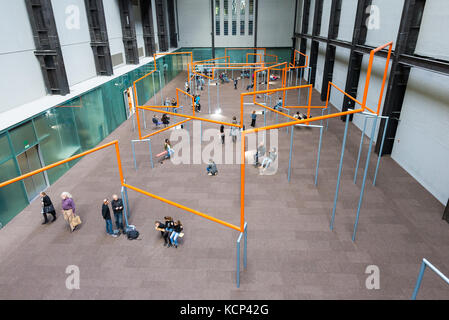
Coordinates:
column 144, row 120
column 419, row 280
column 290, row 156
column 300, row 83
column 151, row 154
column 154, row 88
column 218, row 95
column 319, row 155
column 238, row 263
column 381, row 149
column 127, row 201
column 160, row 89
column 373, row 131
column 339, row 172
column 134, row 155
column 360, row 150
column 245, row 246
column 125, row 209
column 133, row 116
column 208, row 94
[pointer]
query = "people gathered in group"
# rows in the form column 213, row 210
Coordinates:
column 170, row 230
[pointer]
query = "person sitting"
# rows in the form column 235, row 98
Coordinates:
column 156, row 121
column 273, row 77
column 165, row 120
column 177, row 229
column 159, row 226
column 278, row 105
column 212, row 168
column 259, row 153
column 267, row 161
column 250, row 86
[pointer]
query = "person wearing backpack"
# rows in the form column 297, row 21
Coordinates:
column 106, row 213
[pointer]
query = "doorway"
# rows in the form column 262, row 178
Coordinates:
column 29, row 161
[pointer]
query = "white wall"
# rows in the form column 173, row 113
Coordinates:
column 18, row 63
column 274, row 28
column 327, row 5
column 434, row 19
column 320, row 66
column 422, row 139
column 139, row 29
column 275, row 23
column 75, row 42
column 194, row 23
column 389, row 14
column 347, row 19
column 339, row 76
column 113, row 24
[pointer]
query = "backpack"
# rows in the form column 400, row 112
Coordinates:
column 132, row 234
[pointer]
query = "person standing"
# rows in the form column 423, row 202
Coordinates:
column 236, row 82
column 222, row 134
column 234, row 130
column 47, row 208
column 106, row 213
column 117, row 208
column 253, row 119
column 187, row 87
column 68, row 210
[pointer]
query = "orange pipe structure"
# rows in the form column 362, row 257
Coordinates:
column 165, row 129
column 180, row 206
column 244, row 133
column 56, row 164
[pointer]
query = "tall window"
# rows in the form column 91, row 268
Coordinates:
column 251, row 17
column 234, row 17
column 226, row 17
column 217, row 17
column 242, row 17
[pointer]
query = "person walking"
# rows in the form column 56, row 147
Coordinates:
column 68, row 210
column 47, row 208
column 106, row 213
column 236, row 82
column 253, row 119
column 117, row 208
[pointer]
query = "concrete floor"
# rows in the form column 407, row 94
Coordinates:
column 292, row 254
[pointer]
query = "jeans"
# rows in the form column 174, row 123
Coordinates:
column 118, row 220
column 109, row 226
column 174, row 238
column 266, row 162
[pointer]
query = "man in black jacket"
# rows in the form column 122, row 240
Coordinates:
column 106, row 213
column 117, row 208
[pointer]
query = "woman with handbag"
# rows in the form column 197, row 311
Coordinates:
column 47, row 208
column 68, row 210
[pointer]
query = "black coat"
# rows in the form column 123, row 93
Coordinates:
column 105, row 212
column 117, row 204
